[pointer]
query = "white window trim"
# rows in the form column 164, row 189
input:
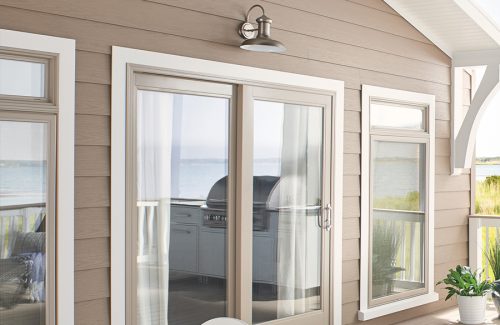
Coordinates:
column 365, row 312
column 230, row 72
column 64, row 49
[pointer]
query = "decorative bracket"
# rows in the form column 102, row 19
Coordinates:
column 464, row 129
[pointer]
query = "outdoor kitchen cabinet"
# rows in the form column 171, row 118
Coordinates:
column 184, row 257
column 200, row 250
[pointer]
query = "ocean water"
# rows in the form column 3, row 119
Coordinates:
column 483, row 171
column 22, row 182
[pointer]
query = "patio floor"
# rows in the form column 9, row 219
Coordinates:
column 451, row 316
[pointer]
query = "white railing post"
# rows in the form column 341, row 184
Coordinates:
column 475, row 243
column 25, row 215
column 412, row 252
column 403, row 275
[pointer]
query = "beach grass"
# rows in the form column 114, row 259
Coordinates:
column 487, row 202
column 488, row 196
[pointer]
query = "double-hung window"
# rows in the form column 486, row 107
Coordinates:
column 36, row 179
column 397, row 201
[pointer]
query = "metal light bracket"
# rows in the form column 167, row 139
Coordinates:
column 248, row 30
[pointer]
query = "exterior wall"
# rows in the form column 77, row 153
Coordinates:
column 358, row 41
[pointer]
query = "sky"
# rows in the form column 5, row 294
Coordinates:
column 492, row 8
column 488, row 134
column 22, row 140
column 488, row 137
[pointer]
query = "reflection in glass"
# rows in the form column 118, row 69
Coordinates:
column 23, row 199
column 397, row 116
column 182, row 151
column 287, row 198
column 398, row 217
column 22, row 78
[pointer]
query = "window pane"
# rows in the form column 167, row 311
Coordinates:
column 182, row 168
column 22, row 78
column 23, row 199
column 397, row 116
column 288, row 144
column 398, row 217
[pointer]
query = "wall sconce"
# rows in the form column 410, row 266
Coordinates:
column 259, row 39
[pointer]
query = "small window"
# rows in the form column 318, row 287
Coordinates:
column 400, row 116
column 397, row 205
column 24, row 77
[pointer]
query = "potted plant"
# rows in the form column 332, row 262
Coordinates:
column 471, row 292
column 493, row 257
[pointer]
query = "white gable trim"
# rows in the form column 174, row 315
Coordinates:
column 474, row 10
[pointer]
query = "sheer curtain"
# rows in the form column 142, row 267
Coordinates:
column 154, row 149
column 299, row 237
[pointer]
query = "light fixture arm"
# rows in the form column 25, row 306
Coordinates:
column 251, row 8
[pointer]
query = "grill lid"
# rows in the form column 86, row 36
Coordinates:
column 263, row 187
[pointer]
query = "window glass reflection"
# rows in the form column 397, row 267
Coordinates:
column 22, row 78
column 182, row 168
column 287, row 189
column 23, row 199
column 398, row 235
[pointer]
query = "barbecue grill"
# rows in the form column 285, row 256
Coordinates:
column 265, row 191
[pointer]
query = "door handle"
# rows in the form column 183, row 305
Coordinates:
column 328, row 217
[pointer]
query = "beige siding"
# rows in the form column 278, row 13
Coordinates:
column 358, row 41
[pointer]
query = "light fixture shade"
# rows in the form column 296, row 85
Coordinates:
column 259, row 39
column 263, row 44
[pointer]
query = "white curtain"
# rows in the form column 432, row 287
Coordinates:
column 299, row 237
column 154, row 139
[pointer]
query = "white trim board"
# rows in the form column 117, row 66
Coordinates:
column 232, row 73
column 65, row 76
column 368, row 93
column 483, row 19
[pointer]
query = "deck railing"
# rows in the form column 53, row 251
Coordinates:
column 146, row 228
column 409, row 225
column 484, row 231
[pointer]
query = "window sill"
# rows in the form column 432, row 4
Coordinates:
column 396, row 306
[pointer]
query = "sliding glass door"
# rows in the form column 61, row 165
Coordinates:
column 190, row 171
column 291, row 256
column 179, row 209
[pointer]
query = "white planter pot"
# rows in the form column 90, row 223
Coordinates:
column 472, row 309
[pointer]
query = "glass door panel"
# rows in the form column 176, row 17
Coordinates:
column 180, row 225
column 24, row 201
column 289, row 266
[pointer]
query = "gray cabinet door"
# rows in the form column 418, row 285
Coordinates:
column 186, row 214
column 183, row 248
column 212, row 253
column 264, row 250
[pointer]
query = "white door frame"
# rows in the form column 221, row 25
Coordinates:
column 231, row 73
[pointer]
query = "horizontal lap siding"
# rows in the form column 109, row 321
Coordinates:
column 357, row 41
